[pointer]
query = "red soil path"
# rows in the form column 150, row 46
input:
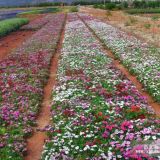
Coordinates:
column 12, row 41
column 132, row 78
column 36, row 142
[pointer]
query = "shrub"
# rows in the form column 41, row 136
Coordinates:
column 84, row 2
column 95, row 6
column 147, row 25
column 110, row 6
column 10, row 25
column 124, row 5
column 41, row 11
column 146, row 4
column 108, row 14
column 132, row 20
column 127, row 23
column 74, row 9
column 155, row 18
column 143, row 11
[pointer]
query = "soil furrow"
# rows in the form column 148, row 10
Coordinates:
column 36, row 142
column 132, row 78
column 12, row 41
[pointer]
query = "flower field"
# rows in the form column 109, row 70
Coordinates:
column 22, row 78
column 140, row 58
column 37, row 23
column 97, row 113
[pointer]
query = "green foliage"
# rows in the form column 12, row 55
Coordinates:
column 155, row 18
column 147, row 25
column 146, row 4
column 9, row 25
column 110, row 6
column 84, row 2
column 132, row 20
column 74, row 9
column 44, row 4
column 125, row 5
column 143, row 11
column 41, row 11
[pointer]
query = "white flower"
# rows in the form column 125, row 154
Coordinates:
column 119, row 156
column 154, row 137
column 77, row 148
column 86, row 148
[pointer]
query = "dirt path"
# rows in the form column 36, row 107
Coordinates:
column 12, row 41
column 36, row 142
column 132, row 78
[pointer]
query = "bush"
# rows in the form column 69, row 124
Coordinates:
column 110, row 6
column 74, row 9
column 146, row 4
column 124, row 5
column 50, row 4
column 84, row 2
column 41, row 11
column 95, row 6
column 143, row 11
column 10, row 25
column 147, row 25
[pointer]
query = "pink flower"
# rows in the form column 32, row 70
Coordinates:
column 105, row 134
column 125, row 125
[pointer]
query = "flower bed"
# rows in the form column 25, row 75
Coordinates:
column 22, row 78
column 140, row 58
column 97, row 112
column 37, row 23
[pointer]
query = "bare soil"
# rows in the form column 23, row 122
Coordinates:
column 12, row 41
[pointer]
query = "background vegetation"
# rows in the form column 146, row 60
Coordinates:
column 10, row 25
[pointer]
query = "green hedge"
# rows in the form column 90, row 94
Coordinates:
column 112, row 6
column 41, row 11
column 146, row 4
column 143, row 11
column 10, row 25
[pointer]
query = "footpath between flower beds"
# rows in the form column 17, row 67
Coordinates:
column 97, row 112
column 23, row 76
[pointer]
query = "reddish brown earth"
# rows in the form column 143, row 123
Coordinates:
column 12, row 41
column 132, row 78
column 32, row 17
column 36, row 142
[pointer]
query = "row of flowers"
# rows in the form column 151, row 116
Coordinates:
column 97, row 112
column 140, row 58
column 37, row 23
column 22, row 78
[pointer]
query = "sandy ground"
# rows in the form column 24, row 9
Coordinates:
column 143, row 27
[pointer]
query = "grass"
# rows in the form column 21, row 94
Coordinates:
column 41, row 11
column 143, row 11
column 10, row 25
